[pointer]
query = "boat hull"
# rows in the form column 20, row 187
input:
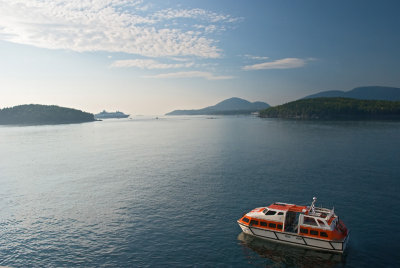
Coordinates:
column 295, row 239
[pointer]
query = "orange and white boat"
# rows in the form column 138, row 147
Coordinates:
column 313, row 227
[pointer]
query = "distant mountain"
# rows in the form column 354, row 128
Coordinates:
column 227, row 107
column 107, row 115
column 362, row 93
column 36, row 114
column 335, row 109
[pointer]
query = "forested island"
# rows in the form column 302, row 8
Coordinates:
column 36, row 114
column 335, row 109
column 232, row 106
column 362, row 93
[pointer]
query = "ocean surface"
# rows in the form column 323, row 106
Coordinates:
column 167, row 192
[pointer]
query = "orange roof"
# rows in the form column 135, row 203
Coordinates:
column 287, row 207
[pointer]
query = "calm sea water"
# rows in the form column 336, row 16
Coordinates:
column 168, row 192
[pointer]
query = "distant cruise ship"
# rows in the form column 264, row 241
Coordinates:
column 106, row 115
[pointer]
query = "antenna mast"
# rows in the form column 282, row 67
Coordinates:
column 312, row 208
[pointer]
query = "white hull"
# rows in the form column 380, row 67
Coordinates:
column 295, row 239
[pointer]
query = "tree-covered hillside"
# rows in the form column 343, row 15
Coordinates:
column 232, row 106
column 36, row 114
column 335, row 108
column 362, row 93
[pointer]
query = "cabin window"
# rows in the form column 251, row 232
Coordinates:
column 323, row 234
column 280, row 213
column 321, row 223
column 246, row 220
column 270, row 212
column 272, row 225
column 253, row 222
column 280, row 226
column 263, row 223
column 310, row 221
column 303, row 231
column 312, row 232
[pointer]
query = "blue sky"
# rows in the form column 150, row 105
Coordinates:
column 151, row 57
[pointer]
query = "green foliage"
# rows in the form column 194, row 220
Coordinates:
column 335, row 108
column 35, row 114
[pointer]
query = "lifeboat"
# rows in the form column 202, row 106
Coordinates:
column 306, row 226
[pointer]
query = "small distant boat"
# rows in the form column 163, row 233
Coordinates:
column 106, row 115
column 312, row 227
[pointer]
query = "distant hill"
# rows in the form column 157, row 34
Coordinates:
column 107, row 115
column 36, row 114
column 227, row 107
column 335, row 108
column 362, row 93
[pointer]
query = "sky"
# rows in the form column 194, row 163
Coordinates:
column 151, row 57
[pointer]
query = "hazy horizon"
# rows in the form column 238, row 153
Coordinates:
column 149, row 57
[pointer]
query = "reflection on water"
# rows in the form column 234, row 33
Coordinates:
column 277, row 254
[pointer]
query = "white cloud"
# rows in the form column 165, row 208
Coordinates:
column 287, row 63
column 196, row 13
column 191, row 74
column 149, row 64
column 208, row 29
column 179, row 59
column 109, row 25
column 256, row 57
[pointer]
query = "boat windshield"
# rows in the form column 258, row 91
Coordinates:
column 310, row 221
